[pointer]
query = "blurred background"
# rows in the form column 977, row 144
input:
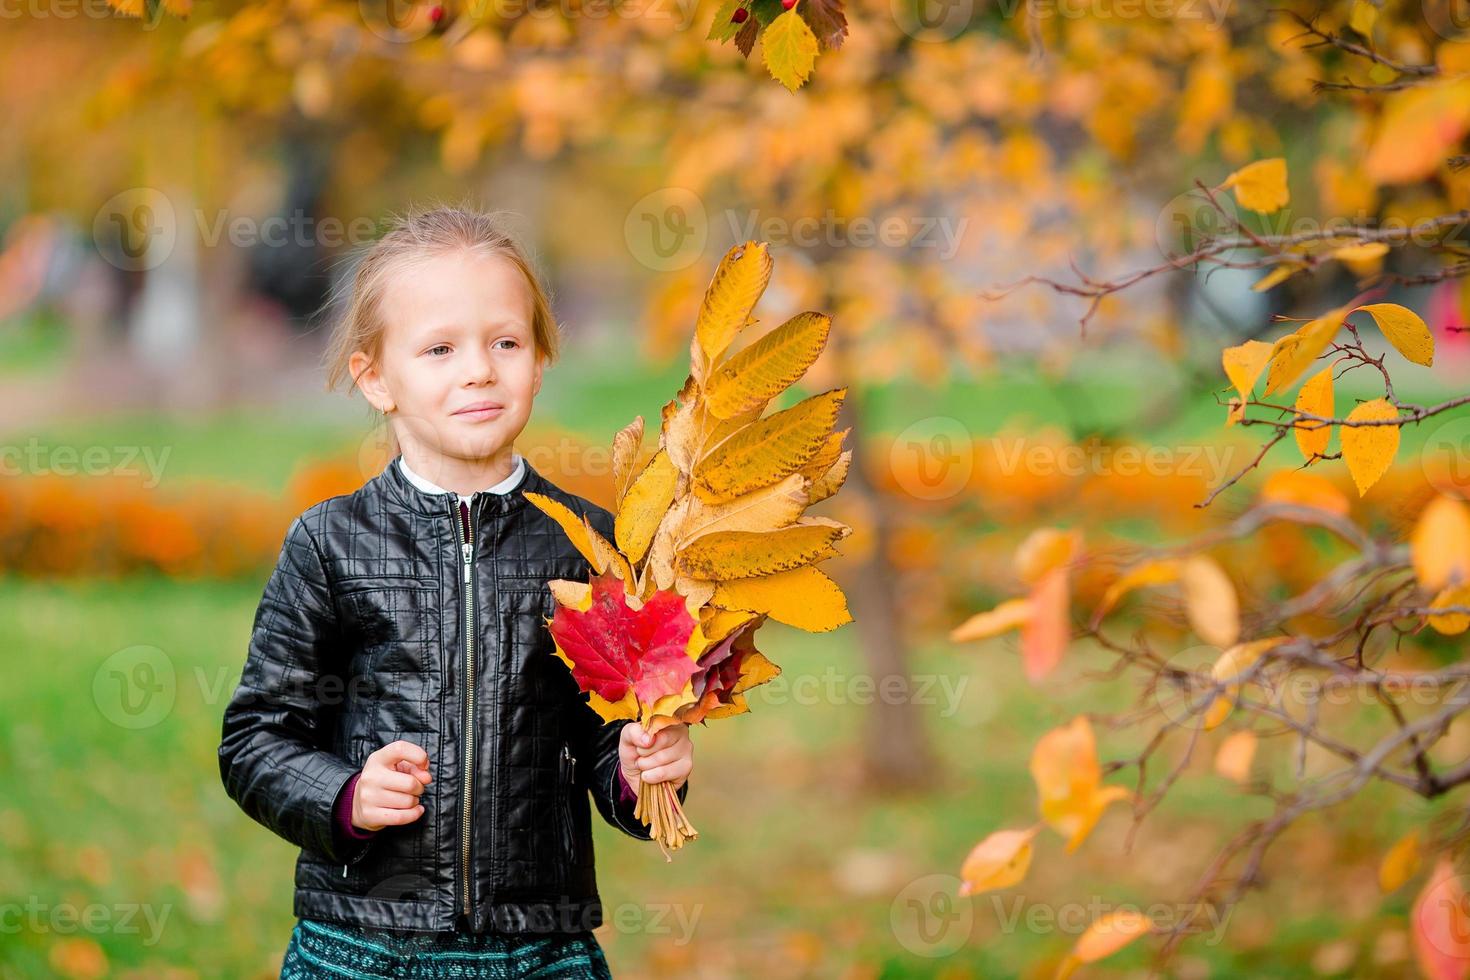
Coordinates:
column 185, row 186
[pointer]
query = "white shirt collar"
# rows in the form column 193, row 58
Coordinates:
column 504, row 486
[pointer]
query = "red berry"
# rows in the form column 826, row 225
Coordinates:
column 740, row 14
column 787, row 4
column 436, row 13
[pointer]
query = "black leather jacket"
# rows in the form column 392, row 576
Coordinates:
column 381, row 623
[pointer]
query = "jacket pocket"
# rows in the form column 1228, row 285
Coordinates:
column 566, row 776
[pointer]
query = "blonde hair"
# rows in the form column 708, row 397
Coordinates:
column 413, row 236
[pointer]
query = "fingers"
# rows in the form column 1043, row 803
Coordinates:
column 400, row 751
column 389, row 799
column 422, row 775
column 676, row 770
column 398, row 782
column 662, row 757
column 378, row 817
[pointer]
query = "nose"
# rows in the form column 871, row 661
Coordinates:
column 479, row 367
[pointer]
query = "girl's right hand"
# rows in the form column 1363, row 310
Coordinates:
column 387, row 793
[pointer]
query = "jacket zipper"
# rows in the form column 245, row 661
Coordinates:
column 564, row 784
column 467, row 748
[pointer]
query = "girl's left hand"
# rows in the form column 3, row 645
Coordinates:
column 666, row 756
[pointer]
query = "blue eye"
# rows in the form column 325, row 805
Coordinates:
column 511, row 342
column 443, row 347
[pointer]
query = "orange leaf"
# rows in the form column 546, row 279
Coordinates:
column 1044, row 549
column 1233, row 758
column 1401, row 863
column 1440, row 544
column 1009, row 615
column 1047, row 630
column 1069, row 781
column 1440, row 925
column 999, row 861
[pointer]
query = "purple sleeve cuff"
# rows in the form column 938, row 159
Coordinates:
column 625, row 791
column 344, row 812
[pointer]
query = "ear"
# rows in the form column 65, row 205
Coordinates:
column 370, row 382
column 536, row 387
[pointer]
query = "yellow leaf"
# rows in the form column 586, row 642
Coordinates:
column 998, row 861
column 767, row 367
column 768, row 449
column 1451, row 623
column 831, row 481
column 1360, row 252
column 740, row 554
column 624, row 452
column 1233, row 758
column 1234, row 663
column 1315, row 398
column 1276, row 277
column 1404, row 328
column 1210, row 602
column 645, row 504
column 1243, row 365
column 1044, row 549
column 737, row 285
column 764, row 509
column 575, row 527
column 1260, row 186
column 1069, row 781
column 1440, row 544
column 1294, row 353
column 1110, row 933
column 1401, row 863
column 1363, row 17
column 1160, row 572
column 789, row 49
column 1369, row 449
column 802, row 597
column 1009, row 615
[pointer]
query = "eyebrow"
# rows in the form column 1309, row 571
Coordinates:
column 425, row 333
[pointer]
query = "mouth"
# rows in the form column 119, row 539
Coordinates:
column 479, row 411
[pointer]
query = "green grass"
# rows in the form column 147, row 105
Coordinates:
column 794, row 860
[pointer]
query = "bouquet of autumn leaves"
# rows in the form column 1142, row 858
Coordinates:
column 710, row 536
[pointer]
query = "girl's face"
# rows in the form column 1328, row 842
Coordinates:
column 458, row 369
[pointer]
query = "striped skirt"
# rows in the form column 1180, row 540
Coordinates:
column 334, row 950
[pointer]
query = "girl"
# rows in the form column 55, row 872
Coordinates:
column 401, row 717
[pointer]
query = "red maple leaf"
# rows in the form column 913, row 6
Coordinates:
column 613, row 647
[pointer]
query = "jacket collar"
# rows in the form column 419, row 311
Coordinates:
column 401, row 489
